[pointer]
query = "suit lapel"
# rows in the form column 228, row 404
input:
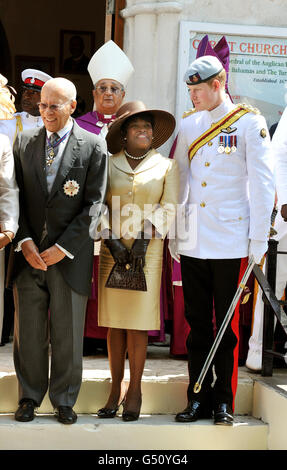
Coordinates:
column 39, row 158
column 71, row 152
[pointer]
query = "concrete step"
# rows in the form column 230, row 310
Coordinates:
column 259, row 400
column 153, row 432
column 164, row 385
column 161, row 395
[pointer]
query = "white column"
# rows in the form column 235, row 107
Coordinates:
column 151, row 43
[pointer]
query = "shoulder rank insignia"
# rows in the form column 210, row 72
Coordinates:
column 251, row 109
column 263, row 133
column 188, row 113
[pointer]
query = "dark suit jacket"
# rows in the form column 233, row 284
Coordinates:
column 67, row 217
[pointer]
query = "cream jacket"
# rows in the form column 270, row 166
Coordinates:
column 147, row 193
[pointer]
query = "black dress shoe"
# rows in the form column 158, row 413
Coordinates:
column 223, row 415
column 194, row 411
column 66, row 415
column 25, row 411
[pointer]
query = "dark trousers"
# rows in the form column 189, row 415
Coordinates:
column 48, row 311
column 209, row 286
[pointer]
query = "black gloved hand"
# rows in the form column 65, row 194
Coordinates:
column 138, row 251
column 118, row 251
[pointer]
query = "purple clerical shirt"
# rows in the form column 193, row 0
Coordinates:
column 93, row 121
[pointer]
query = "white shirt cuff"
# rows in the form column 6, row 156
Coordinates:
column 67, row 253
column 18, row 247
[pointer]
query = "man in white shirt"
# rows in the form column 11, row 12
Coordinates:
column 222, row 149
column 29, row 117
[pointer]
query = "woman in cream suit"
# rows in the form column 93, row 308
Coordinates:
column 9, row 199
column 141, row 200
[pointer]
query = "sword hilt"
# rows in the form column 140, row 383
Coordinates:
column 197, row 387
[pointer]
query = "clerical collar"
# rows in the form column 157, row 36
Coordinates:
column 104, row 117
column 62, row 131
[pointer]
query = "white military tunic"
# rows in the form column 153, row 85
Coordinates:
column 9, row 207
column 231, row 194
column 21, row 121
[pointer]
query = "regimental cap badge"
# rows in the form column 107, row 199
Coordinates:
column 194, row 78
column 202, row 69
column 34, row 79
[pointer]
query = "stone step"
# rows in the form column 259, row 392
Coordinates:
column 153, row 432
column 161, row 395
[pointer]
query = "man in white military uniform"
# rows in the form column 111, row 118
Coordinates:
column 279, row 144
column 29, row 117
column 222, row 149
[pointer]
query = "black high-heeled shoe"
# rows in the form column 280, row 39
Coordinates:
column 131, row 415
column 109, row 412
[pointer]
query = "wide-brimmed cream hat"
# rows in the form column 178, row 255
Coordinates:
column 7, row 107
column 164, row 124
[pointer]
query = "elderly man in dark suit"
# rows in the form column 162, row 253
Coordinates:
column 61, row 171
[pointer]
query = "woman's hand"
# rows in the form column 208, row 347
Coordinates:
column 4, row 240
column 118, row 251
column 138, row 251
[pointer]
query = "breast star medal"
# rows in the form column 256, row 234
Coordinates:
column 71, row 188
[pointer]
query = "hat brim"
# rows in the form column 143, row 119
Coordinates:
column 164, row 125
column 31, row 87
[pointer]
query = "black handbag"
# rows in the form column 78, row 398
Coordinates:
column 122, row 276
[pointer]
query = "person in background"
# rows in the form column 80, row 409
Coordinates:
column 110, row 70
column 279, row 146
column 9, row 193
column 28, row 118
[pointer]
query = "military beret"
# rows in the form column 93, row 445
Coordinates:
column 202, row 69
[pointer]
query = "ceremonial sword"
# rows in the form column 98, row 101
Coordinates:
column 197, row 386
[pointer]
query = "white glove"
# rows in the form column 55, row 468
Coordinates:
column 172, row 249
column 257, row 249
